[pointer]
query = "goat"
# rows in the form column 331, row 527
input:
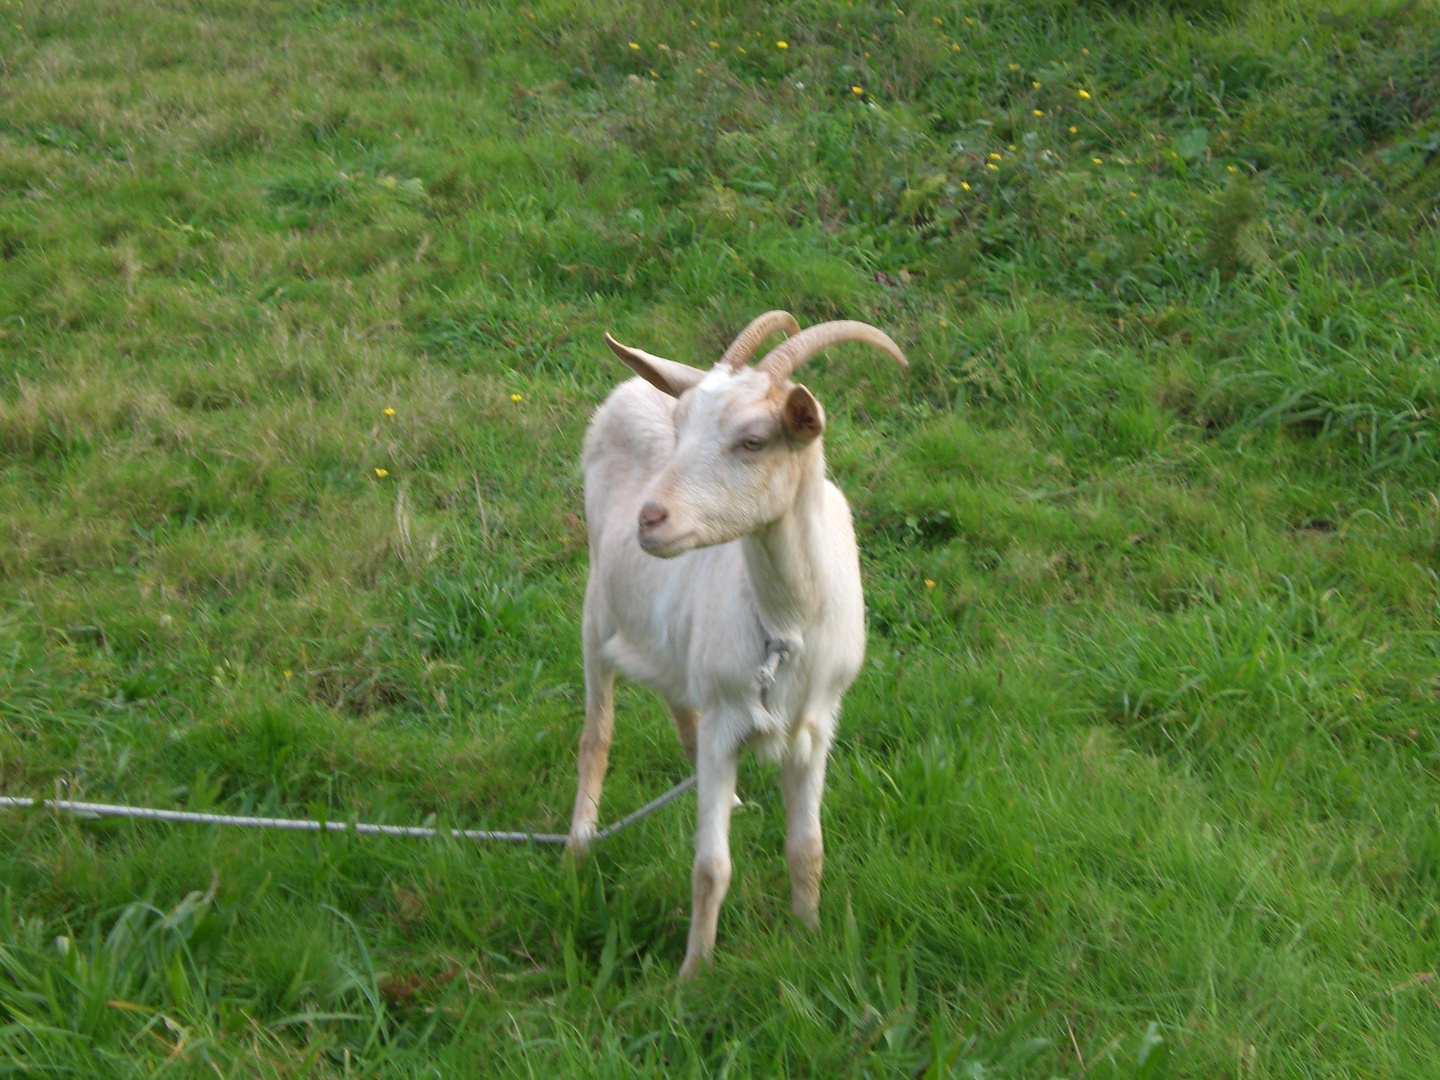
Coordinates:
column 724, row 574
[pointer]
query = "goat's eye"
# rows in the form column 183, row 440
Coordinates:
column 753, row 442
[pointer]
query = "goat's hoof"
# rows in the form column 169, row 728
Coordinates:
column 582, row 835
column 809, row 914
column 694, row 964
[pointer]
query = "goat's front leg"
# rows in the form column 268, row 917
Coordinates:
column 594, row 751
column 710, row 878
column 803, row 778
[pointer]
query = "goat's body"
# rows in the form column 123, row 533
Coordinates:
column 699, row 626
column 692, row 627
column 724, row 573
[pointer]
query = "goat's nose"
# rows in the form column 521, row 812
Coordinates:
column 652, row 515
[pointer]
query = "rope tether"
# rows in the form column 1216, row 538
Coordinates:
column 307, row 825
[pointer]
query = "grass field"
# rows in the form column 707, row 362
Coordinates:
column 1141, row 777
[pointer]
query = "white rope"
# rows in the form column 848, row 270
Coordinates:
column 307, row 825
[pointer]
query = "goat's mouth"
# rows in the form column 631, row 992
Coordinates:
column 666, row 547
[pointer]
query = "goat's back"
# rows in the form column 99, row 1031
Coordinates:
column 631, row 437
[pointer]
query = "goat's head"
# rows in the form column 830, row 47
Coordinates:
column 744, row 436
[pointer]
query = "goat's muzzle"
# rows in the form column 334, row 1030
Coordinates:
column 652, row 516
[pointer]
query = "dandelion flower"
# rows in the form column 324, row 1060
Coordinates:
column 1097, row 161
column 382, row 473
column 634, row 46
column 899, row 11
column 992, row 165
column 944, row 323
column 714, row 44
column 1231, row 168
column 516, row 398
column 289, row 674
column 740, row 48
column 664, row 47
column 1085, row 51
column 994, row 156
column 1035, row 83
column 782, row 44
column 654, row 74
column 856, row 90
column 698, row 71
column 955, row 47
column 929, row 584
column 969, row 21
column 1012, row 147
column 938, row 22
column 692, row 22
column 1133, row 195
column 964, row 185
column 1084, row 95
column 1073, row 129
column 1038, row 112
column 1014, row 67
column 1123, row 214
column 389, row 412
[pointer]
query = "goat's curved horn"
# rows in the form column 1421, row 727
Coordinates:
column 754, row 335
column 791, row 353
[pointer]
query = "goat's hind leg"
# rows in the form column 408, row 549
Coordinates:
column 685, row 720
column 802, row 775
column 594, row 746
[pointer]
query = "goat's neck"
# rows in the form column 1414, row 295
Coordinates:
column 785, row 559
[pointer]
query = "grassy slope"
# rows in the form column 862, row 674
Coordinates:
column 1154, row 754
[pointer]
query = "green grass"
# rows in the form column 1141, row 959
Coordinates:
column 1144, row 785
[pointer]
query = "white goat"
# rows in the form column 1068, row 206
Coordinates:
column 724, row 574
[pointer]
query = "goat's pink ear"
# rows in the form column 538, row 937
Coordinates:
column 802, row 414
column 665, row 375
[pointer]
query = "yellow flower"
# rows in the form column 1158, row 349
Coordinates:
column 692, row 22
column 929, row 584
column 992, row 165
column 1133, row 195
column 739, row 48
column 516, row 398
column 994, row 156
column 939, row 23
column 964, row 185
column 289, row 674
column 944, row 323
column 1035, row 84
column 857, row 90
column 1084, row 95
column 1012, row 147
column 1014, row 67
column 633, row 45
column 389, row 412
column 1038, row 112
column 664, row 47
column 1231, row 168
column 1085, row 51
column 955, row 47
column 654, row 75
column 699, row 72
column 1097, row 161
column 782, row 44
column 714, row 44
column 1073, row 129
column 1123, row 214
column 969, row 21
column 382, row 473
